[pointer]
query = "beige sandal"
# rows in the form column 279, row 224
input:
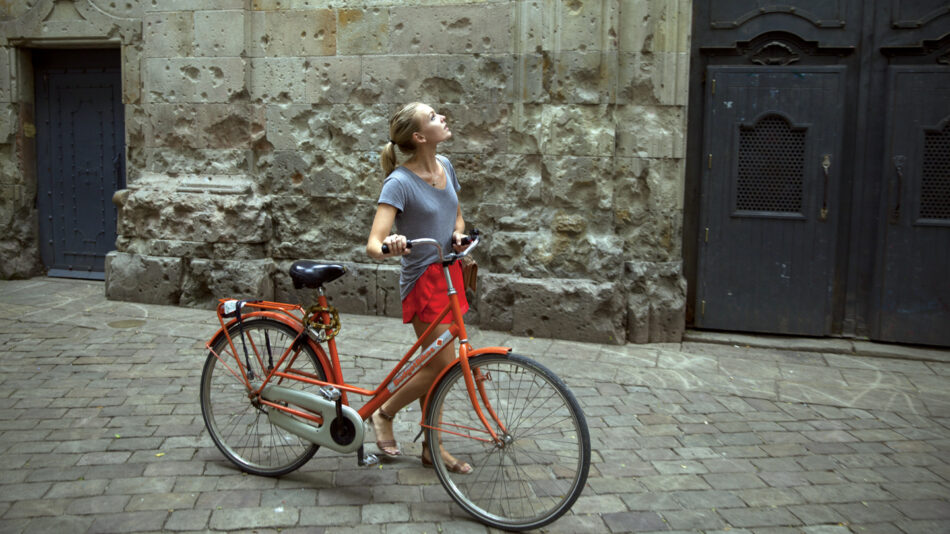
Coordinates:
column 387, row 447
column 462, row 468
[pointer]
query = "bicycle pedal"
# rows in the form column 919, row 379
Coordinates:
column 330, row 393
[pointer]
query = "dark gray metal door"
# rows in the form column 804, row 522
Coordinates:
column 769, row 198
column 80, row 157
column 915, row 293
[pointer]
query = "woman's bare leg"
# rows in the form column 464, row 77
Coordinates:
column 418, row 386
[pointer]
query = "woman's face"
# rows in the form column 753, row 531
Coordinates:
column 432, row 126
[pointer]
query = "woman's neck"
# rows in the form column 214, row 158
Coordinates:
column 423, row 160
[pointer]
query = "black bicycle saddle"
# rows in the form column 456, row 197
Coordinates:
column 308, row 273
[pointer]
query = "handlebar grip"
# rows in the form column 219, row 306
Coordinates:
column 386, row 247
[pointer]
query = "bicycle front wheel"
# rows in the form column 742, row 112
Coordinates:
column 238, row 423
column 539, row 470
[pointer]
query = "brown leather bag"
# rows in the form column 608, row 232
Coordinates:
column 469, row 273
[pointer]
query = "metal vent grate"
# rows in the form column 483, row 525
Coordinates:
column 771, row 167
column 935, row 180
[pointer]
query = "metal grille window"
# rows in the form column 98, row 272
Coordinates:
column 935, row 180
column 771, row 167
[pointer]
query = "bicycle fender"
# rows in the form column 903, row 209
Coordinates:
column 456, row 363
column 321, row 356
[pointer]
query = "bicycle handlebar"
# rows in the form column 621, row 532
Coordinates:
column 472, row 240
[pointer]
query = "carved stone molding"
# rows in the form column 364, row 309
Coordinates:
column 58, row 21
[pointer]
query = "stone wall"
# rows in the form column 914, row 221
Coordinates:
column 254, row 126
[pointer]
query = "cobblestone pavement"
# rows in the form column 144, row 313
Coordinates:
column 101, row 431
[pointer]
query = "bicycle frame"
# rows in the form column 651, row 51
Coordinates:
column 407, row 367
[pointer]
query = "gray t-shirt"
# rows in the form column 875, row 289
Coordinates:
column 424, row 211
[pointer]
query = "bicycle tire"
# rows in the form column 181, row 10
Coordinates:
column 239, row 426
column 541, row 470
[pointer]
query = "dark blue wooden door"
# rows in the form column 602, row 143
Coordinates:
column 770, row 195
column 915, row 288
column 80, row 158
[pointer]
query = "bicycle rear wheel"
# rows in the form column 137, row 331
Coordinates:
column 239, row 424
column 539, row 471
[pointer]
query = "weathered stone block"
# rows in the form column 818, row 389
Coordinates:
column 21, row 259
column 128, row 10
column 189, row 125
column 206, row 281
column 388, row 301
column 164, row 214
column 578, row 131
column 331, row 129
column 292, row 33
column 578, row 77
column 661, row 78
column 131, row 75
column 178, row 161
column 650, row 131
column 191, row 5
column 648, row 196
column 6, row 63
column 320, row 227
column 216, row 35
column 333, row 79
column 168, row 35
column 579, row 310
column 311, row 175
column 362, row 31
column 165, row 247
column 651, row 27
column 204, row 80
column 590, row 25
column 142, row 278
column 8, row 122
column 482, row 29
column 281, row 79
column 656, row 301
column 497, row 178
column 581, row 184
column 526, row 85
column 524, row 128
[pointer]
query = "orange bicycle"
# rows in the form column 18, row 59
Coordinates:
column 270, row 397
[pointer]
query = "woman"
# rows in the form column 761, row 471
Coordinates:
column 420, row 199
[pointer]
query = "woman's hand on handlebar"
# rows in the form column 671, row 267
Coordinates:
column 460, row 241
column 395, row 245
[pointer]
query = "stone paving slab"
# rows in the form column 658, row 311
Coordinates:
column 101, row 431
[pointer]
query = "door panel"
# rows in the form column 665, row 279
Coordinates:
column 80, row 160
column 915, row 294
column 766, row 259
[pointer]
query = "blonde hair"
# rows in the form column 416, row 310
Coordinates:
column 401, row 127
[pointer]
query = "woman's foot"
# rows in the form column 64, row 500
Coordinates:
column 383, row 428
column 453, row 465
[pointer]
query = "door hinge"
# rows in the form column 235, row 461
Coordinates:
column 714, row 86
column 702, row 308
column 707, row 235
column 709, row 162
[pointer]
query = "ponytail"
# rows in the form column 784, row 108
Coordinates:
column 387, row 158
column 401, row 127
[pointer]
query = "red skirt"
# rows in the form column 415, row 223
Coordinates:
column 430, row 295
